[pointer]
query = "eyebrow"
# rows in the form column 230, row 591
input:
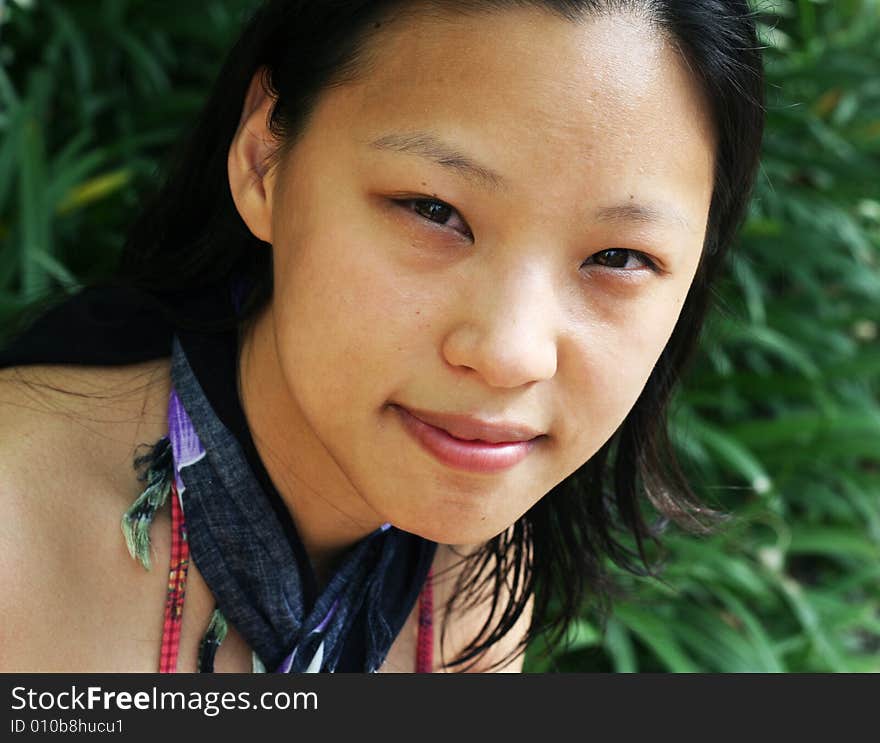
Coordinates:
column 428, row 145
column 641, row 214
column 431, row 147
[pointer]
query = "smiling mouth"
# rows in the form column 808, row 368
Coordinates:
column 470, row 447
column 472, row 428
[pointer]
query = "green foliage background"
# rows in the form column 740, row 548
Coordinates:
column 779, row 420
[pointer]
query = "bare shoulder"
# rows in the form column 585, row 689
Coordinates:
column 57, row 419
column 67, row 439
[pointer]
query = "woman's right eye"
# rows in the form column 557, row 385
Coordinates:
column 438, row 212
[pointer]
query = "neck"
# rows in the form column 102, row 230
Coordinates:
column 329, row 514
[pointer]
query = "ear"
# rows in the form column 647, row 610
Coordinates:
column 250, row 181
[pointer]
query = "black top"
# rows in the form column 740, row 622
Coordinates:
column 119, row 326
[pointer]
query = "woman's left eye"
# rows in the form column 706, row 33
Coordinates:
column 621, row 258
column 438, row 212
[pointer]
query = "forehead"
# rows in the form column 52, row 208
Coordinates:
column 542, row 99
column 527, row 61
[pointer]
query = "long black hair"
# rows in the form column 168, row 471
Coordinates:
column 190, row 237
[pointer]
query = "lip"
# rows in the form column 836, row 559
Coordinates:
column 468, row 443
column 469, row 428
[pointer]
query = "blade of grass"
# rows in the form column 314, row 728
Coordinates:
column 655, row 634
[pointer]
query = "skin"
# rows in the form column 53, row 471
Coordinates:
column 505, row 307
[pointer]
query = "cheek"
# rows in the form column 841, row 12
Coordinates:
column 610, row 363
column 333, row 303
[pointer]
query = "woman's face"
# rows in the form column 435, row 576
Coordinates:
column 496, row 226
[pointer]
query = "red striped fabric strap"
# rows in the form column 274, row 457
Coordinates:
column 177, row 592
column 425, row 643
column 176, row 587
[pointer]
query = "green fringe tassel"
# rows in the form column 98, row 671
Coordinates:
column 214, row 636
column 138, row 518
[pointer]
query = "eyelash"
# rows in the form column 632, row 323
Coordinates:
column 410, row 202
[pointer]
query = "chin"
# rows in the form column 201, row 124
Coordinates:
column 467, row 531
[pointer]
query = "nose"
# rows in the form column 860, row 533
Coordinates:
column 508, row 332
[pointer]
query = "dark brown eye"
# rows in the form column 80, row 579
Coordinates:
column 619, row 258
column 436, row 211
column 613, row 258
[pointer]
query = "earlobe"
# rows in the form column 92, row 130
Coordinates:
column 250, row 180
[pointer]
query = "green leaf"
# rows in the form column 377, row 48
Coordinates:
column 767, row 659
column 93, row 189
column 833, row 541
column 812, row 624
column 35, row 220
column 620, row 648
column 733, row 453
column 655, row 633
column 57, row 271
